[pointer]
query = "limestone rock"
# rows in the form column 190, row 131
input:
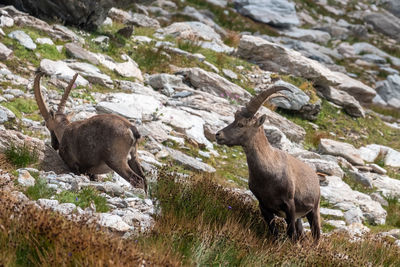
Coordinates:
column 23, row 38
column 280, row 13
column 274, row 57
column 61, row 70
column 384, row 22
column 345, row 150
column 5, row 52
column 341, row 98
column 189, row 161
column 76, row 51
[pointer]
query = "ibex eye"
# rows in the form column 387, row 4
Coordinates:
column 240, row 125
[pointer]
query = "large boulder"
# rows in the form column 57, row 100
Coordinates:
column 345, row 150
column 389, row 90
column 274, row 57
column 393, row 6
column 280, row 13
column 83, row 13
column 385, row 23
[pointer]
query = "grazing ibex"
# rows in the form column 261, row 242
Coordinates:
column 96, row 145
column 283, row 185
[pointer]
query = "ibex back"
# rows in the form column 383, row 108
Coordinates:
column 96, row 145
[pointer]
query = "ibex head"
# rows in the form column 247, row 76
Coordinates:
column 55, row 120
column 246, row 124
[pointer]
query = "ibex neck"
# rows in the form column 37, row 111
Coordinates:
column 257, row 144
column 258, row 150
column 59, row 131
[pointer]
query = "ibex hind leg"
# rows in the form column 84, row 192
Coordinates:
column 299, row 228
column 123, row 169
column 313, row 218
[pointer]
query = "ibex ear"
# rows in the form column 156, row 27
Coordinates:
column 52, row 114
column 260, row 121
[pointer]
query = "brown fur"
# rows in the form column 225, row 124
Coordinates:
column 283, row 185
column 96, row 145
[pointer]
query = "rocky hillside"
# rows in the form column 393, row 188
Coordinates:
column 179, row 70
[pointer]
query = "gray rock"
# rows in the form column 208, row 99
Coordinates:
column 92, row 73
column 25, row 178
column 340, row 194
column 5, row 52
column 47, row 203
column 297, row 98
column 331, row 212
column 341, row 98
column 372, row 58
column 46, row 40
column 389, row 187
column 360, row 178
column 378, row 169
column 378, row 198
column 113, row 222
column 324, row 166
column 129, row 68
column 144, row 21
column 197, row 32
column 384, row 22
column 163, row 80
column 354, row 215
column 23, row 38
column 393, row 6
column 203, row 16
column 102, row 40
column 308, row 35
column 214, row 84
column 230, row 74
column 280, row 13
column 389, row 90
column 61, row 70
column 345, row 150
column 88, row 14
column 76, row 51
column 362, row 48
column 189, row 162
column 6, row 114
column 274, row 57
column 6, row 21
column 65, row 208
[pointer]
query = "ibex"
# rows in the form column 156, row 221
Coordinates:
column 283, row 185
column 93, row 146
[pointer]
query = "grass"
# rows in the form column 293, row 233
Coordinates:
column 203, row 224
column 23, row 107
column 39, row 237
column 39, row 190
column 357, row 131
column 21, row 156
column 83, row 198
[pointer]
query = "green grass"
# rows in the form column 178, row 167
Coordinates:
column 356, row 131
column 39, row 190
column 22, row 107
column 21, row 156
column 83, row 198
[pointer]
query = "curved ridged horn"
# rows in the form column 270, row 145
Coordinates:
column 256, row 102
column 44, row 110
column 64, row 98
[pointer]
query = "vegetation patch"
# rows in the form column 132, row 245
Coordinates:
column 21, row 156
column 39, row 190
column 22, row 107
column 336, row 124
column 84, row 198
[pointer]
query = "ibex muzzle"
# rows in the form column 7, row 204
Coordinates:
column 283, row 185
column 96, row 145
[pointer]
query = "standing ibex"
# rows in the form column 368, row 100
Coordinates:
column 283, row 185
column 96, row 145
